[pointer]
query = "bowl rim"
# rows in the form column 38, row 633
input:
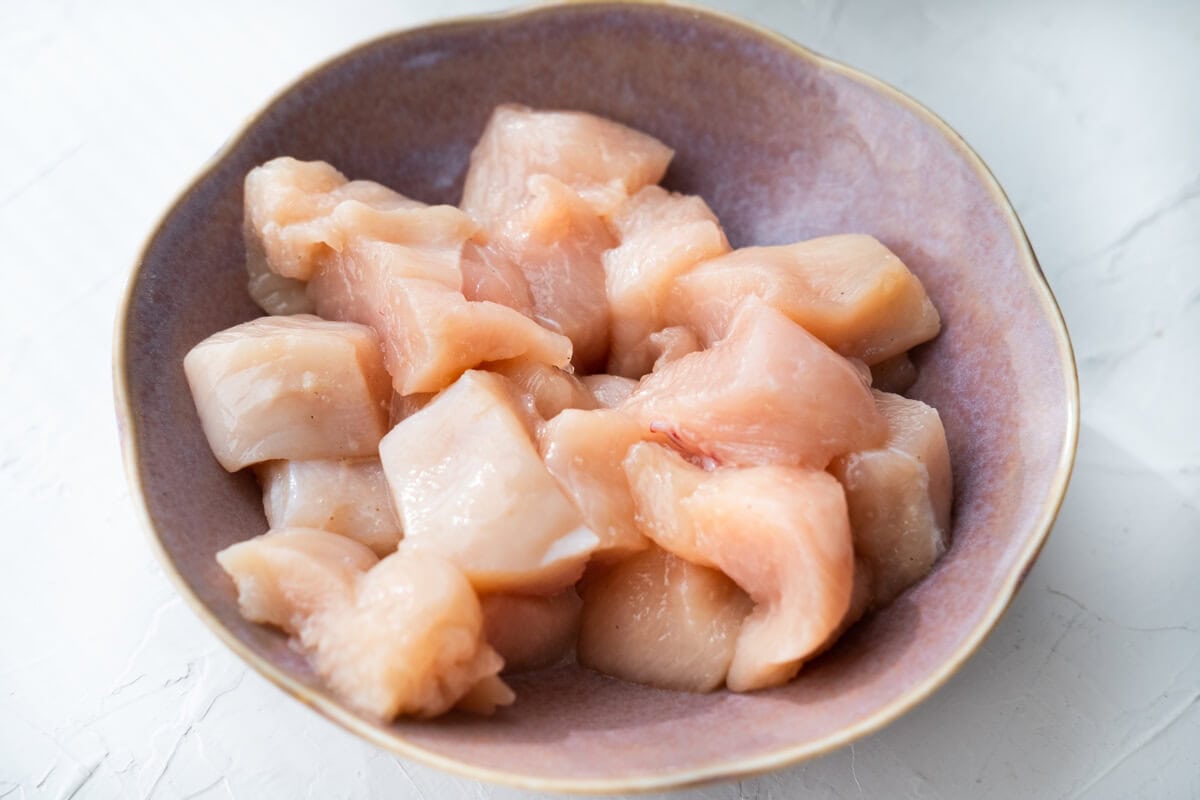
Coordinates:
column 778, row 758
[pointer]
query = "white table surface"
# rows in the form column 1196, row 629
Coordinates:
column 1088, row 112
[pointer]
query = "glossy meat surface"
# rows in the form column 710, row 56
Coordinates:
column 849, row 291
column 470, row 486
column 769, row 393
column 661, row 620
column 899, row 496
column 601, row 160
column 661, row 236
column 294, row 387
column 345, row 496
column 583, row 450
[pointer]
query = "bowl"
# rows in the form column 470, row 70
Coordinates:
column 784, row 145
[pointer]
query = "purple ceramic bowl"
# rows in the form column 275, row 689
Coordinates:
column 784, row 145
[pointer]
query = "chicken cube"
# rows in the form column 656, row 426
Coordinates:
column 849, row 291
column 346, row 496
column 899, row 496
column 768, row 393
column 583, row 450
column 469, row 486
column 412, row 643
column 558, row 241
column 294, row 387
column 399, row 636
column 661, row 620
column 781, row 533
column 603, row 161
column 288, row 575
column 662, row 235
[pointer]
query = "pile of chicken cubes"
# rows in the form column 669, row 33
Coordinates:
column 565, row 420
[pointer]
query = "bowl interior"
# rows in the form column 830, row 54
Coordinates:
column 784, row 146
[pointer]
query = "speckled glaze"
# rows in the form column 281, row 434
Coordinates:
column 784, row 145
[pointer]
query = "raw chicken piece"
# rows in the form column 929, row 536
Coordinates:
column 489, row 273
column 398, row 636
column 659, row 481
column 348, row 496
column 768, row 393
column 287, row 226
column 804, row 591
column 899, row 496
column 286, row 217
column 423, row 243
column 412, row 642
column 274, row 293
column 551, row 388
column 583, row 450
column 780, row 533
column 375, row 257
column 609, row 390
column 470, row 486
column 896, row 374
column 286, row 576
column 559, row 241
column 849, row 291
column 289, row 388
column 660, row 620
column 288, row 204
column 671, row 344
column 600, row 159
column 529, row 631
column 662, row 235
column 432, row 334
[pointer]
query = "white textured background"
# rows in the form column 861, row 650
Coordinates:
column 1088, row 112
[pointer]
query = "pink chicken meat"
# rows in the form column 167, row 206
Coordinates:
column 780, row 533
column 601, row 160
column 565, row 421
column 469, row 486
column 661, row 620
column 849, row 291
column 899, row 496
column 399, row 636
column 294, row 387
column 346, row 496
column 583, row 450
column 662, row 235
column 372, row 256
column 558, row 241
column 768, row 393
